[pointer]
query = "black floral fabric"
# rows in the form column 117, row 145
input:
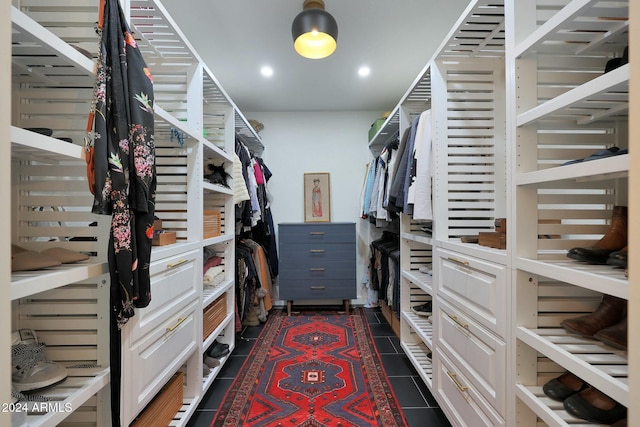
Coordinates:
column 124, row 150
column 125, row 175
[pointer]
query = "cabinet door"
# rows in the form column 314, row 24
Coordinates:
column 477, row 287
column 479, row 354
column 464, row 406
column 173, row 285
column 150, row 362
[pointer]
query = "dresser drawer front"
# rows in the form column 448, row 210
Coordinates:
column 318, row 289
column 477, row 287
column 477, row 353
column 155, row 358
column 316, row 233
column 314, row 252
column 317, row 270
column 459, row 400
column 173, row 285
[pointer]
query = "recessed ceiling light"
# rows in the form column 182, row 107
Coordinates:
column 266, row 71
column 364, row 71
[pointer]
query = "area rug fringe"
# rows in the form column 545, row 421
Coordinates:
column 312, row 369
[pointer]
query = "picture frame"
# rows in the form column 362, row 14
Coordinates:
column 317, row 197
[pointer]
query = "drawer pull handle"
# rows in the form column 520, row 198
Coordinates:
column 316, row 269
column 178, row 323
column 316, row 233
column 317, row 288
column 177, row 264
column 316, row 251
column 455, row 319
column 454, row 378
column 458, row 261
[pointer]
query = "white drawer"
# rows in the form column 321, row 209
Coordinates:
column 477, row 287
column 463, row 405
column 149, row 364
column 476, row 353
column 173, row 285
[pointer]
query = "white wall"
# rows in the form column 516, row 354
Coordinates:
column 334, row 142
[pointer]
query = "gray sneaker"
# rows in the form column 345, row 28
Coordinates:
column 30, row 369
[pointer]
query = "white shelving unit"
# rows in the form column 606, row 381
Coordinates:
column 196, row 124
column 564, row 108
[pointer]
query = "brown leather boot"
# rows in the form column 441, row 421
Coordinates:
column 615, row 336
column 614, row 240
column 610, row 311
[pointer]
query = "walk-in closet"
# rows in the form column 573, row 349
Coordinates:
column 425, row 223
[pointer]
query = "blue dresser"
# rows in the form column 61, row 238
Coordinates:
column 317, row 261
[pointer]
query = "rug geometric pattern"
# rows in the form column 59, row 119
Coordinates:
column 312, row 369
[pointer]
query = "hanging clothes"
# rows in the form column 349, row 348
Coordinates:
column 420, row 191
column 125, row 173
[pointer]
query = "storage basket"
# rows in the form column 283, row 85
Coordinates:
column 163, row 408
column 212, row 224
column 214, row 315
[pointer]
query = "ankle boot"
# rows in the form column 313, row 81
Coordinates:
column 619, row 258
column 610, row 311
column 615, row 336
column 614, row 240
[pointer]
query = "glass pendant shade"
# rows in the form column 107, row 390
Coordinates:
column 315, row 32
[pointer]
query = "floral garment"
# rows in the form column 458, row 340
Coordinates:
column 125, row 175
column 124, row 153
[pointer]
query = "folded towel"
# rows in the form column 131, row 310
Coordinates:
column 214, row 276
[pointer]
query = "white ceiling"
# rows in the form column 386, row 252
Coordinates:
column 395, row 38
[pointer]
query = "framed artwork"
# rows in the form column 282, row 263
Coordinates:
column 317, row 197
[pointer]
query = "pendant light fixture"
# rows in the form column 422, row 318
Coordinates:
column 314, row 31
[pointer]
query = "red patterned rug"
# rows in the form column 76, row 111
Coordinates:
column 312, row 369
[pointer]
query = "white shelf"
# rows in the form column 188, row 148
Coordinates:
column 603, row 367
column 421, row 326
column 26, row 283
column 550, row 411
column 80, row 385
column 594, row 170
column 419, row 238
column 389, row 129
column 217, row 188
column 499, row 256
column 185, row 412
column 218, row 239
column 578, row 28
column 422, row 280
column 211, row 338
column 417, row 354
column 208, row 380
column 28, row 145
column 210, row 294
column 600, row 278
column 38, row 55
column 605, row 97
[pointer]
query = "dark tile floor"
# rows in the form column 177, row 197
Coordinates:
column 419, row 406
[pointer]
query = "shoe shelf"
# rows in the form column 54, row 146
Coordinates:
column 603, row 367
column 417, row 354
column 421, row 280
column 577, row 27
column 229, row 318
column 420, row 326
column 549, row 411
column 613, row 167
column 185, row 412
column 77, row 390
column 599, row 278
column 603, row 98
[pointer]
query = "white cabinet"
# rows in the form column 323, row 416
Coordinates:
column 564, row 107
column 51, row 85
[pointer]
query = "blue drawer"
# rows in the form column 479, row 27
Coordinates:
column 317, row 233
column 314, row 252
column 319, row 289
column 319, row 270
